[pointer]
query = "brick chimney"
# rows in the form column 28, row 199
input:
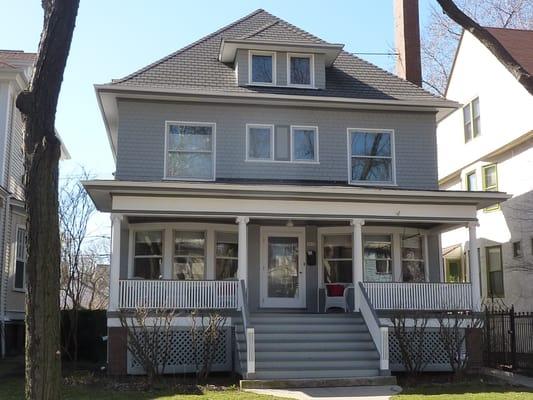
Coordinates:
column 407, row 38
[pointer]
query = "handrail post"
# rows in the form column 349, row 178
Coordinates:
column 250, row 351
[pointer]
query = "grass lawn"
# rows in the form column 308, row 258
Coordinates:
column 465, row 391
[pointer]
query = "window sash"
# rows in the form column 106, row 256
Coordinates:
column 295, row 130
column 255, row 55
column 20, row 260
column 292, row 75
column 387, row 158
column 471, row 181
column 249, row 129
column 495, row 285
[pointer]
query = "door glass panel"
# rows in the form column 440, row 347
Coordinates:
column 282, row 267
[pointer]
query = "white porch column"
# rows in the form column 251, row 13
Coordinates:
column 474, row 266
column 114, row 271
column 242, row 271
column 357, row 258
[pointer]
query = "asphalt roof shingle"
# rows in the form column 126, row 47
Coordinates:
column 518, row 42
column 197, row 67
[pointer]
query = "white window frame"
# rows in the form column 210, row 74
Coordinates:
column 269, row 126
column 213, row 126
column 251, row 53
column 393, row 157
column 306, row 127
column 132, row 256
column 311, row 72
column 15, row 258
column 471, row 103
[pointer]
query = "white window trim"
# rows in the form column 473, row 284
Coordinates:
column 349, row 131
column 251, row 53
column 307, row 127
column 470, row 103
column 131, row 251
column 168, row 238
column 269, row 126
column 14, row 252
column 311, row 72
column 213, row 125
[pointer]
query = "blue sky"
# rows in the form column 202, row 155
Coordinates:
column 116, row 37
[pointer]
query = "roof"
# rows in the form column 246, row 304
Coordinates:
column 518, row 42
column 11, row 57
column 195, row 67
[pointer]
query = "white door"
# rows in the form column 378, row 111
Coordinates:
column 282, row 267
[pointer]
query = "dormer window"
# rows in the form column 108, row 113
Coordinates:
column 300, row 70
column 262, row 68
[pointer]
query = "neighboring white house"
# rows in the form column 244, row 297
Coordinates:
column 487, row 145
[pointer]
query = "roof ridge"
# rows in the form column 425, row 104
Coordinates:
column 189, row 46
column 263, row 28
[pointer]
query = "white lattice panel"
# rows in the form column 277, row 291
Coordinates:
column 181, row 355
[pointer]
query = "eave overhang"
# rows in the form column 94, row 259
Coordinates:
column 229, row 47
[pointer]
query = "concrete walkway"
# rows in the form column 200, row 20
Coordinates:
column 334, row 393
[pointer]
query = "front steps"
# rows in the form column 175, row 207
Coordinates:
column 292, row 350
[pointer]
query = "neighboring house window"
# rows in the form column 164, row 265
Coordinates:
column 300, row 70
column 337, row 258
column 517, row 249
column 471, row 181
column 227, row 256
column 490, row 182
column 413, row 263
column 189, row 255
column 495, row 271
column 262, row 68
column 377, row 257
column 454, row 270
column 20, row 259
column 281, row 143
column 471, row 116
column 371, row 156
column 190, row 150
column 148, row 254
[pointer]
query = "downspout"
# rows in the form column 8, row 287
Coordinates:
column 3, row 280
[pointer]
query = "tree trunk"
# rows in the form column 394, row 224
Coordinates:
column 489, row 41
column 42, row 150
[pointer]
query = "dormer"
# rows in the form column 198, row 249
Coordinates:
column 266, row 63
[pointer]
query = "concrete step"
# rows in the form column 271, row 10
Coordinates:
column 314, row 383
column 313, row 355
column 313, row 365
column 315, row 374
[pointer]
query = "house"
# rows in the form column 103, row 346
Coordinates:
column 487, row 144
column 260, row 166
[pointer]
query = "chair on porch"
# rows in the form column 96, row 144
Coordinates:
column 337, row 296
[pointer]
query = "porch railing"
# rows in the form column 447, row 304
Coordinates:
column 178, row 294
column 419, row 296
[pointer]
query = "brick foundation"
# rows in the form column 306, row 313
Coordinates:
column 117, row 351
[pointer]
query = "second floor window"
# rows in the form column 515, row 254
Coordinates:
column 471, row 117
column 300, row 70
column 262, row 68
column 189, row 150
column 371, row 156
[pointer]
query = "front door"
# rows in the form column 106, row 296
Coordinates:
column 283, row 267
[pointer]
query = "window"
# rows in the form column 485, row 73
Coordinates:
column 262, row 68
column 20, row 259
column 227, row 256
column 337, row 258
column 377, row 258
column 471, row 117
column 190, row 151
column 189, row 255
column 494, row 271
column 282, row 143
column 300, row 70
column 148, row 254
column 304, row 139
column 454, row 270
column 490, row 182
column 413, row 263
column 471, row 181
column 517, row 249
column 371, row 156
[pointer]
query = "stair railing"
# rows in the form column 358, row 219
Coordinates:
column 249, row 332
column 378, row 331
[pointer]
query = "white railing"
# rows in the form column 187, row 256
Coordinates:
column 249, row 332
column 419, row 296
column 379, row 332
column 170, row 294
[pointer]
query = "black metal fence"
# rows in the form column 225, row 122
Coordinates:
column 508, row 337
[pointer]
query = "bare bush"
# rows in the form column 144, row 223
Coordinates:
column 410, row 332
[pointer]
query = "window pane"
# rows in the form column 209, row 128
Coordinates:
column 190, row 138
column 259, row 146
column 300, row 70
column 372, row 169
column 227, row 250
column 148, row 243
column 495, row 270
column 304, row 144
column 371, row 144
column 188, row 268
column 189, row 243
column 377, row 259
column 471, row 181
column 261, row 69
column 490, row 178
column 226, row 268
column 19, row 274
column 413, row 271
column 412, row 247
column 190, row 165
column 338, row 271
column 496, row 283
column 413, row 267
column 338, row 246
column 467, row 123
column 494, row 259
column 337, row 259
column 475, row 107
column 147, row 268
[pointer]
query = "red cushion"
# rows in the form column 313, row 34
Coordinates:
column 335, row 290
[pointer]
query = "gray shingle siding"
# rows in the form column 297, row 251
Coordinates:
column 141, row 133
